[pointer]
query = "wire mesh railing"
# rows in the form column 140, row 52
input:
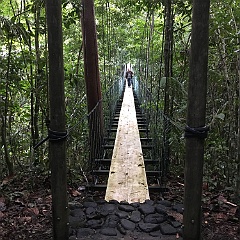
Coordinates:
column 159, row 125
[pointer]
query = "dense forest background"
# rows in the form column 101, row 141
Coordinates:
column 155, row 37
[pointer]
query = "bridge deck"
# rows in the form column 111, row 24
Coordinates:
column 127, row 177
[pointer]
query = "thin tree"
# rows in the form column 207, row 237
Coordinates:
column 196, row 130
column 168, row 45
column 57, row 131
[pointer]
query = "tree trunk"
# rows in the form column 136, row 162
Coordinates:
column 57, row 148
column 5, row 147
column 92, row 79
column 168, row 43
column 197, row 91
column 4, row 115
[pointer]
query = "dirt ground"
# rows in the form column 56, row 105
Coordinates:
column 25, row 208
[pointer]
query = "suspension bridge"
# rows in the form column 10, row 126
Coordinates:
column 130, row 161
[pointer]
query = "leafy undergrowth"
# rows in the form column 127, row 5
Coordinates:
column 25, row 208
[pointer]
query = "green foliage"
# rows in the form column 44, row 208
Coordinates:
column 128, row 31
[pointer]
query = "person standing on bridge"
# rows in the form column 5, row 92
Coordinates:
column 128, row 76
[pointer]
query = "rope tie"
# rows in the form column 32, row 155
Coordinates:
column 196, row 132
column 52, row 136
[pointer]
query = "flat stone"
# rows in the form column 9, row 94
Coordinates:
column 156, row 233
column 73, row 205
column 150, row 202
column 146, row 209
column 126, row 208
column 91, row 212
column 148, row 227
column 135, row 216
column 176, row 224
column 94, row 223
column 76, row 222
column 128, row 225
column 179, row 208
column 161, row 209
column 109, row 231
column 122, row 214
column 135, row 204
column 113, row 202
column 90, row 204
column 78, row 212
column 165, row 203
column 101, row 201
column 85, row 232
column 121, row 229
column 111, row 221
column 155, row 218
column 167, row 229
column 109, row 207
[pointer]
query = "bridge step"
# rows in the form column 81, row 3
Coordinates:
column 106, row 172
column 110, row 146
column 102, row 187
column 108, row 161
column 141, row 139
column 140, row 130
column 140, row 125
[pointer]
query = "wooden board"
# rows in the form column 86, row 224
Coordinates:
column 127, row 177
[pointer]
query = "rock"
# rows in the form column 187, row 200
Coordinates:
column 146, row 209
column 179, row 208
column 90, row 210
column 156, row 234
column 126, row 208
column 101, row 201
column 176, row 224
column 135, row 204
column 85, row 232
column 108, row 207
column 124, row 203
column 122, row 214
column 94, row 223
column 148, row 227
column 109, row 231
column 115, row 202
column 135, row 216
column 150, row 202
column 76, row 222
column 167, row 229
column 121, row 229
column 92, row 213
column 73, row 205
column 128, row 225
column 161, row 209
column 78, row 212
column 154, row 218
column 165, row 203
column 90, row 204
column 111, row 221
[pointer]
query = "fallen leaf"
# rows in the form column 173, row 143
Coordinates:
column 24, row 219
column 75, row 193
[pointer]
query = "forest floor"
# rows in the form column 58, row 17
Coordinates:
column 25, row 208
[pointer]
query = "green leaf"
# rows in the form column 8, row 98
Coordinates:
column 220, row 116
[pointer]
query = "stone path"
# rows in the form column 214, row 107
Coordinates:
column 104, row 220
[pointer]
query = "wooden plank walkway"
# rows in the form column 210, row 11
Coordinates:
column 127, row 177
